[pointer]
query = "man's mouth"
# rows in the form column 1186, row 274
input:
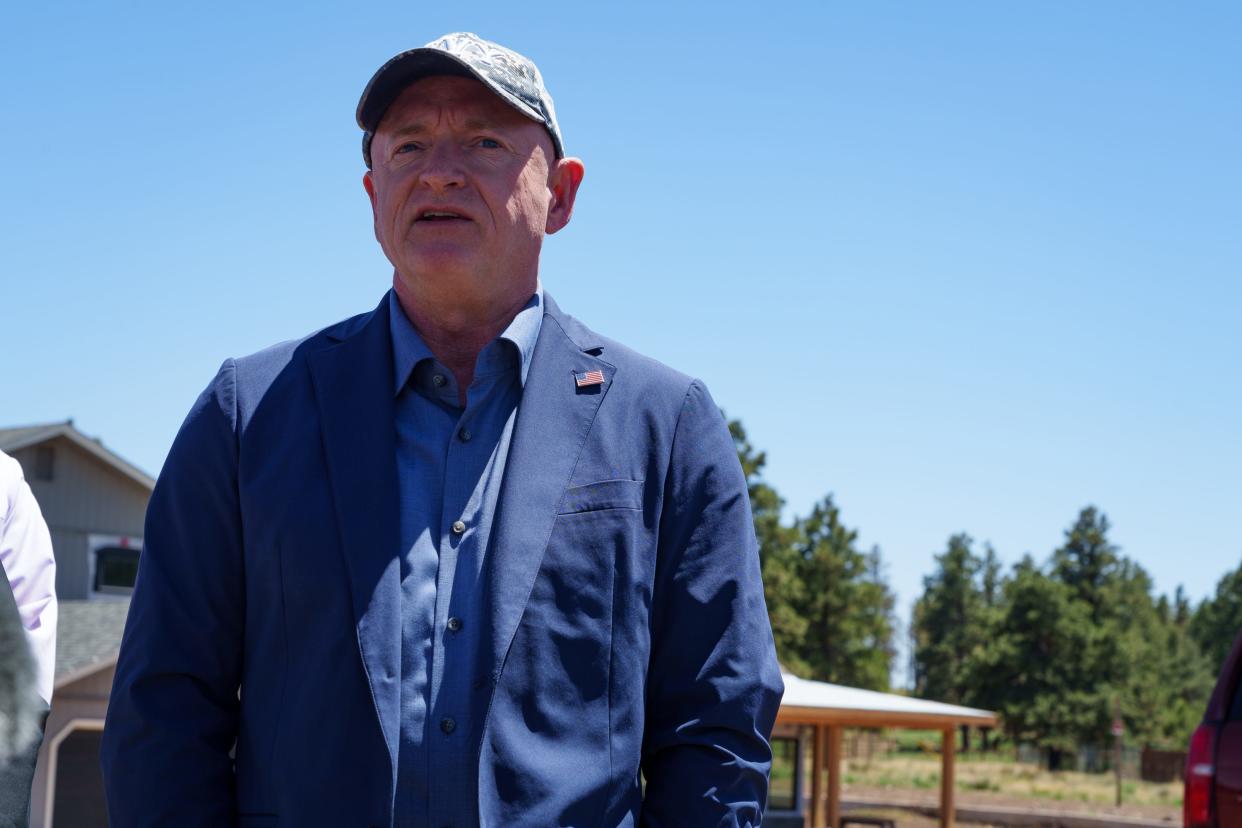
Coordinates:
column 441, row 215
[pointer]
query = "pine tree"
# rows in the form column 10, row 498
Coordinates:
column 829, row 604
column 781, row 588
column 845, row 601
column 1029, row 672
column 1218, row 620
column 950, row 622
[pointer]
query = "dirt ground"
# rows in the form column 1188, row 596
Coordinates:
column 903, row 819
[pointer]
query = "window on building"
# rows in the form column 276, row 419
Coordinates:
column 781, row 789
column 44, row 462
column 116, row 568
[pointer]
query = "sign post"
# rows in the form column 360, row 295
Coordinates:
column 1119, row 730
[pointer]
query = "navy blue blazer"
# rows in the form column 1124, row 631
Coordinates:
column 624, row 612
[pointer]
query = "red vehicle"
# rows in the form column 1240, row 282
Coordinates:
column 1213, row 797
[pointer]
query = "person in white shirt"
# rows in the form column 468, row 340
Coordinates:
column 30, row 571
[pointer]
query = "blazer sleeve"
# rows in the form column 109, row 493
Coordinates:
column 714, row 684
column 173, row 714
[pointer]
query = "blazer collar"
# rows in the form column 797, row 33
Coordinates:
column 553, row 420
column 579, row 335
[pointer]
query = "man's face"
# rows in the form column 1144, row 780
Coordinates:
column 463, row 188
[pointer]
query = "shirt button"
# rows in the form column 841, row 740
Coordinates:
column 454, row 624
column 458, row 527
column 464, row 435
column 448, row 725
column 438, row 380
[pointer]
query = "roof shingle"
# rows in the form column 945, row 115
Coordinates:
column 88, row 632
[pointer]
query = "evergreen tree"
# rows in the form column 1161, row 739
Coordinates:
column 1071, row 646
column 950, row 623
column 1218, row 620
column 1169, row 683
column 845, row 602
column 991, row 579
column 829, row 604
column 1181, row 607
column 1030, row 672
column 1088, row 563
column 782, row 591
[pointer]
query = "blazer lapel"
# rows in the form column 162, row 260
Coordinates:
column 353, row 389
column 553, row 420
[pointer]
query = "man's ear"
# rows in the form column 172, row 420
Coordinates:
column 563, row 183
column 368, row 184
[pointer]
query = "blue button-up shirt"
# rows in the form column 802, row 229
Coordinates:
column 450, row 462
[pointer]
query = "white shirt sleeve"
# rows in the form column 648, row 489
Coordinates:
column 26, row 555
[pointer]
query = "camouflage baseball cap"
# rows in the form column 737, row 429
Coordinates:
column 513, row 77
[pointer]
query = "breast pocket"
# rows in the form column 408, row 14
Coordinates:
column 605, row 494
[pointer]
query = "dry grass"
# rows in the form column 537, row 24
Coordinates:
column 1005, row 777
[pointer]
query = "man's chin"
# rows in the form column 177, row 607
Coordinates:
column 441, row 274
column 443, row 261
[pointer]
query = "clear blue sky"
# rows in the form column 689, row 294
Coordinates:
column 969, row 266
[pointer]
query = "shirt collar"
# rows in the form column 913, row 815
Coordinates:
column 409, row 349
column 523, row 331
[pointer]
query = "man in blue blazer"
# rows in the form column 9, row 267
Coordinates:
column 456, row 561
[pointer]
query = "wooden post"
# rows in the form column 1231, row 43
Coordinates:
column 815, row 813
column 834, row 776
column 1117, row 764
column 1119, row 730
column 948, row 753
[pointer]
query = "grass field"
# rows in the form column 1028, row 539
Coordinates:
column 999, row 775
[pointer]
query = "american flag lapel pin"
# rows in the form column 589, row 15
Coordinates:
column 586, row 380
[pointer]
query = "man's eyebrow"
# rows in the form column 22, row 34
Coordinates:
column 409, row 129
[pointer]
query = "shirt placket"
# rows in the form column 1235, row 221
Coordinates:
column 419, row 579
column 458, row 541
column 454, row 460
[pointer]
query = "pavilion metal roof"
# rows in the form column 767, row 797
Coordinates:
column 818, row 701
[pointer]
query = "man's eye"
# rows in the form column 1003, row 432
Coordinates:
column 408, row 147
column 489, row 143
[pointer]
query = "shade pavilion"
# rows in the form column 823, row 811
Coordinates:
column 826, row 709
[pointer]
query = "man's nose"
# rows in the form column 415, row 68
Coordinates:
column 443, row 166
